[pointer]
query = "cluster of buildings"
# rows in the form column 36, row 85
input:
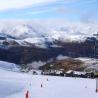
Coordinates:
column 93, row 73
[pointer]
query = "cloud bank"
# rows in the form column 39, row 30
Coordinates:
column 16, row 4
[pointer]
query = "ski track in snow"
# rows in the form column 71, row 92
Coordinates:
column 15, row 85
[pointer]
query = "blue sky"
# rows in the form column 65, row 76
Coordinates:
column 72, row 10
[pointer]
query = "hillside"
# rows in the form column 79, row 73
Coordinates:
column 66, row 64
column 26, row 54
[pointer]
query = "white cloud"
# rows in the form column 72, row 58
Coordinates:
column 61, row 57
column 36, row 64
column 10, row 4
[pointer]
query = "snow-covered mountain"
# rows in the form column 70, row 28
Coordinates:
column 23, row 42
column 40, row 33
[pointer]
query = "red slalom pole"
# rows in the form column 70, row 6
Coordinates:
column 27, row 94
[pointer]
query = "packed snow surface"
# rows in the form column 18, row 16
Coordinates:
column 9, row 66
column 15, row 85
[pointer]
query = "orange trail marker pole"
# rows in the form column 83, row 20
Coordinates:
column 27, row 94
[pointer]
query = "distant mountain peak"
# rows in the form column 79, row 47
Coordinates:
column 38, row 33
